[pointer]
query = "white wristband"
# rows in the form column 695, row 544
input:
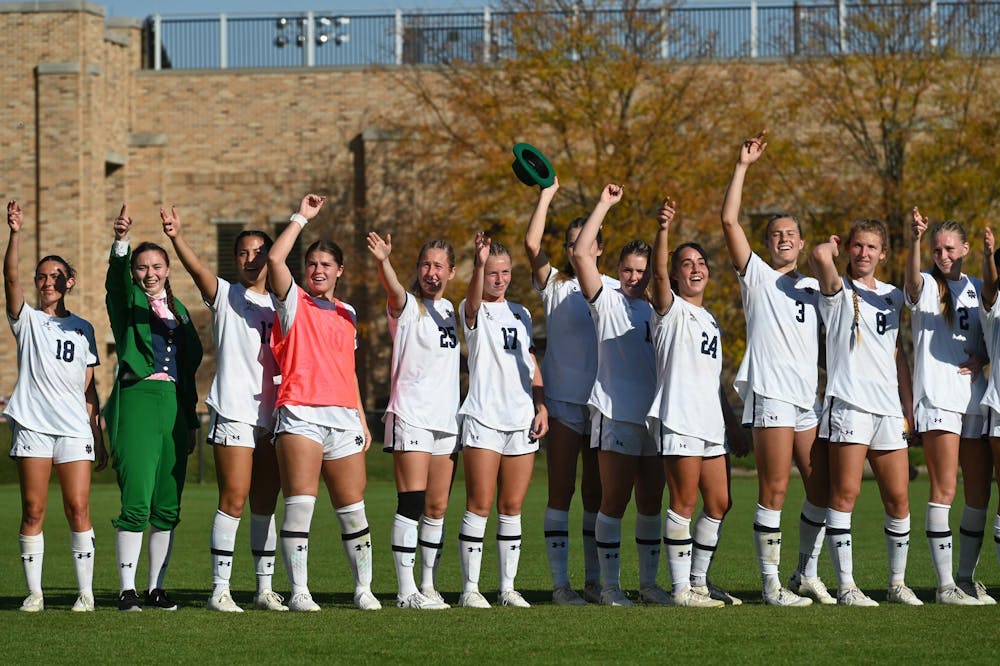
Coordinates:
column 300, row 219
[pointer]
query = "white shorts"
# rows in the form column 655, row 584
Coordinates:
column 762, row 412
column 846, row 424
column 401, row 436
column 573, row 416
column 630, row 439
column 336, row 443
column 670, row 443
column 966, row 426
column 26, row 443
column 475, row 435
column 226, row 432
column 991, row 423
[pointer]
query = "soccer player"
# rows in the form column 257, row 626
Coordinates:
column 421, row 420
column 242, row 404
column 54, row 415
column 777, row 382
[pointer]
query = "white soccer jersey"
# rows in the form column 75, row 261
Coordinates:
column 688, row 345
column 570, row 362
column 990, row 320
column 500, row 367
column 425, row 362
column 626, row 365
column 939, row 347
column 782, row 314
column 53, row 354
column 243, row 389
column 863, row 372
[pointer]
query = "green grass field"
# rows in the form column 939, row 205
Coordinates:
column 545, row 633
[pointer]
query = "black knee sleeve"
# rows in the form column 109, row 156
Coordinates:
column 410, row 504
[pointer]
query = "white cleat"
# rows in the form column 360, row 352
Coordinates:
column 473, row 599
column 785, row 597
column 655, row 595
column 513, row 599
column 717, row 593
column 366, row 601
column 954, row 596
column 564, row 595
column 812, row 587
column 612, row 595
column 303, row 603
column 269, row 600
column 33, row 603
column 223, row 602
column 689, row 599
column 852, row 596
column 418, row 601
column 592, row 592
column 431, row 593
column 974, row 588
column 84, row 603
column 901, row 594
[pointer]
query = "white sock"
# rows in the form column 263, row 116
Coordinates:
column 678, row 541
column 295, row 540
column 263, row 543
column 82, row 546
column 403, row 539
column 812, row 529
column 838, row 539
column 32, row 552
column 223, row 543
column 557, row 545
column 608, row 537
column 970, row 541
column 591, row 561
column 648, row 535
column 470, row 549
column 508, row 549
column 357, row 540
column 940, row 541
column 431, row 546
column 897, row 542
column 128, row 545
column 706, row 540
column 767, row 539
column 161, row 545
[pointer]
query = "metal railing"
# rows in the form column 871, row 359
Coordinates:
column 754, row 29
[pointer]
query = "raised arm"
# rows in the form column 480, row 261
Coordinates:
column 914, row 281
column 582, row 254
column 474, row 295
column 540, row 266
column 824, row 264
column 736, row 238
column 277, row 270
column 11, row 285
column 394, row 290
column 203, row 277
column 663, row 295
column 989, row 269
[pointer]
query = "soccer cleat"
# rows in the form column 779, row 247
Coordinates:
column 954, row 596
column 129, row 601
column 564, row 595
column 84, row 603
column 269, row 600
column 901, row 594
column 366, row 601
column 852, row 596
column 513, row 599
column 689, row 599
column 655, row 595
column 473, row 600
column 418, row 601
column 812, row 587
column 785, row 597
column 223, row 602
column 33, row 603
column 157, row 598
column 974, row 588
column 431, row 593
column 303, row 603
column 612, row 595
column 592, row 592
column 717, row 593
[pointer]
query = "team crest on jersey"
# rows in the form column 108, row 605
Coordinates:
column 184, row 318
column 517, row 316
column 78, row 331
column 888, row 299
column 810, row 290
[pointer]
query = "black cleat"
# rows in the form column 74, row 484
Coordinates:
column 157, row 598
column 129, row 601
